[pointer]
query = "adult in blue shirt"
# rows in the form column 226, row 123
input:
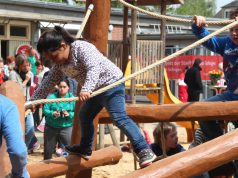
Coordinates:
column 227, row 47
column 10, row 129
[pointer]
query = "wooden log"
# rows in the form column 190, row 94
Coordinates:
column 148, row 113
column 59, row 166
column 194, row 161
column 11, row 90
column 96, row 32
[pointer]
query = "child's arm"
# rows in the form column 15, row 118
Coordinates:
column 215, row 44
column 48, row 84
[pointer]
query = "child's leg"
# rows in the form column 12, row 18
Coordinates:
column 211, row 128
column 87, row 113
column 114, row 101
column 29, row 129
column 50, row 140
column 65, row 136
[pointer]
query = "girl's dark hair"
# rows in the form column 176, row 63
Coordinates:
column 51, row 39
column 65, row 79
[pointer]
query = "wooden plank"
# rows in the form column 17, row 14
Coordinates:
column 59, row 166
column 149, row 113
column 195, row 161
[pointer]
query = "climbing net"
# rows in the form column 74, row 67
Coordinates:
column 231, row 23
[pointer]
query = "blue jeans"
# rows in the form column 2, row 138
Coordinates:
column 212, row 129
column 30, row 137
column 114, row 101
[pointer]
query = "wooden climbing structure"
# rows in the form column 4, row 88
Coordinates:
column 186, row 164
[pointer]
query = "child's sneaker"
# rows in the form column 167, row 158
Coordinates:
column 146, row 157
column 59, row 152
column 76, row 149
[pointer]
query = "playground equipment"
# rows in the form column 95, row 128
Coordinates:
column 60, row 166
column 166, row 113
column 147, row 113
column 194, row 161
column 201, row 155
column 197, row 160
column 169, row 98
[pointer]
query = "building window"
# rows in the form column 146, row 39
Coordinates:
column 227, row 14
column 2, row 30
column 19, row 31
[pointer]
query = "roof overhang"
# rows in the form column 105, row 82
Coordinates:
column 40, row 11
column 19, row 15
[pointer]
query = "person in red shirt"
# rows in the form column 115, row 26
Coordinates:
column 182, row 86
column 3, row 77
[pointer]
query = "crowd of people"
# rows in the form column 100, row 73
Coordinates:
column 77, row 62
column 28, row 72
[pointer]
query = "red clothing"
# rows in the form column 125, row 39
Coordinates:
column 183, row 95
column 1, row 78
column 182, row 88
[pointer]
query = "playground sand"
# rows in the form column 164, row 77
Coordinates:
column 125, row 165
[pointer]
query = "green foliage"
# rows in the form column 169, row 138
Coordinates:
column 197, row 7
column 116, row 4
column 190, row 7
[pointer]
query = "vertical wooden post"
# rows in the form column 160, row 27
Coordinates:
column 125, row 50
column 163, row 39
column 133, row 53
column 125, row 39
column 12, row 91
column 96, row 32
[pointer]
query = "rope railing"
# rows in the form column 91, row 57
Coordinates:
column 199, row 42
column 170, row 18
column 88, row 13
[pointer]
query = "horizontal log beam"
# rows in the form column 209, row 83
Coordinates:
column 60, row 166
column 148, row 113
column 194, row 161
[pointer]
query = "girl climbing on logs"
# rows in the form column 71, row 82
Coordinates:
column 82, row 61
